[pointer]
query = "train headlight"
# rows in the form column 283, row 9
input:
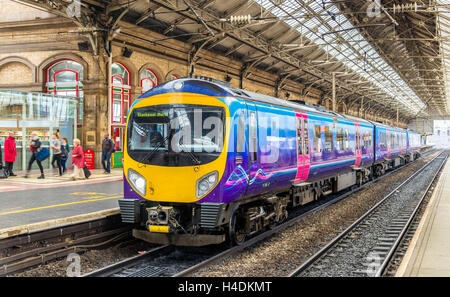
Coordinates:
column 206, row 183
column 138, row 181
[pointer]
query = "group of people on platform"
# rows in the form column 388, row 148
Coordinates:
column 60, row 149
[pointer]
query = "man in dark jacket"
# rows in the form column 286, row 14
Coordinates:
column 3, row 174
column 1, row 162
column 107, row 149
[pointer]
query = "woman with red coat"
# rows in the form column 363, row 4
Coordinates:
column 10, row 153
column 77, row 160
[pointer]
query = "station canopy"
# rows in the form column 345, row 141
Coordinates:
column 393, row 56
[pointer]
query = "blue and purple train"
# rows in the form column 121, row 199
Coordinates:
column 205, row 162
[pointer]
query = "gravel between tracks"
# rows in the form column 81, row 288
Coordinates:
column 282, row 253
column 89, row 260
column 351, row 260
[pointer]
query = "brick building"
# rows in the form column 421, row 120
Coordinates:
column 46, row 53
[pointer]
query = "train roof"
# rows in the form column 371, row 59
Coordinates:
column 225, row 89
column 295, row 104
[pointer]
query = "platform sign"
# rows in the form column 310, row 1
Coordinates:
column 89, row 159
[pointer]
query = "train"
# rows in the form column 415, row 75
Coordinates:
column 205, row 163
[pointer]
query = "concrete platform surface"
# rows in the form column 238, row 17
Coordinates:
column 19, row 182
column 24, row 202
column 429, row 251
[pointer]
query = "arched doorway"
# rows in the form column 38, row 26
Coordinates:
column 121, row 88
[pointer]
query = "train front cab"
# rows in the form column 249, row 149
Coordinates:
column 391, row 147
column 414, row 145
column 164, row 183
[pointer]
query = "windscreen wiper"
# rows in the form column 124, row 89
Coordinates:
column 149, row 155
column 193, row 157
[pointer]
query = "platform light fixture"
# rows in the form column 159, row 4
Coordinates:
column 127, row 52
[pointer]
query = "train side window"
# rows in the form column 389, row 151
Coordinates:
column 367, row 140
column 253, row 137
column 340, row 139
column 383, row 139
column 346, row 146
column 329, row 147
column 240, row 137
column 358, row 139
column 364, row 141
column 317, row 139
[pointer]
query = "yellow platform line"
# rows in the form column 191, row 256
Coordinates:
column 58, row 205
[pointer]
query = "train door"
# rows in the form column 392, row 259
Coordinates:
column 303, row 157
column 253, row 152
column 358, row 152
column 388, row 143
column 306, row 156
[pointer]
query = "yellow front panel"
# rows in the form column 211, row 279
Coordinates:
column 158, row 229
column 177, row 184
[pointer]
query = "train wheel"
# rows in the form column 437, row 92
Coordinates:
column 236, row 230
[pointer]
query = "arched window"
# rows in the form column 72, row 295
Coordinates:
column 64, row 78
column 149, row 80
column 121, row 93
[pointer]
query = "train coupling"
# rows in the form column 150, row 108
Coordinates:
column 162, row 219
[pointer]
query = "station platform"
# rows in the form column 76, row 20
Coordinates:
column 429, row 250
column 31, row 204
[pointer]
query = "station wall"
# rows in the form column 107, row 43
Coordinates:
column 34, row 40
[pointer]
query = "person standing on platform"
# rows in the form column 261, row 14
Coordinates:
column 107, row 150
column 56, row 147
column 77, row 160
column 65, row 144
column 10, row 153
column 35, row 147
column 1, row 159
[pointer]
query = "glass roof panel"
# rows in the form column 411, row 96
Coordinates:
column 374, row 68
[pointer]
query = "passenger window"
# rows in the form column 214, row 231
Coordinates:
column 340, row 139
column 383, row 139
column 358, row 139
column 364, row 146
column 253, row 137
column 317, row 139
column 328, row 140
column 240, row 137
column 346, row 140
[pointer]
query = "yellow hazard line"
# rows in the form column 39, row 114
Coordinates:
column 58, row 205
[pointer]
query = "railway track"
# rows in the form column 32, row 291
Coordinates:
column 180, row 262
column 376, row 240
column 25, row 251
